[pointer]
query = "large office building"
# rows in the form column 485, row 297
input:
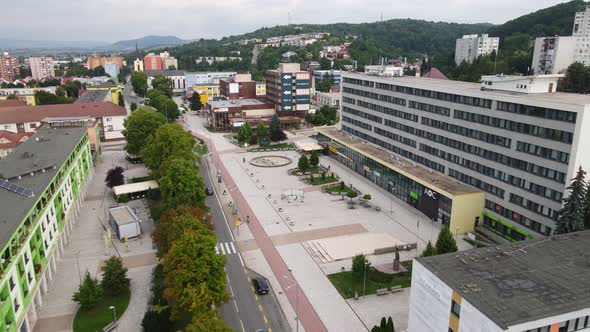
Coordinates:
column 162, row 61
column 288, row 88
column 553, row 55
column 334, row 75
column 241, row 86
column 533, row 286
column 42, row 67
column 470, row 47
column 112, row 69
column 9, row 67
column 581, row 31
column 42, row 185
column 176, row 76
column 513, row 137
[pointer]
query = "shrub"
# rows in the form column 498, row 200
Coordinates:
column 359, row 264
column 89, row 293
column 114, row 276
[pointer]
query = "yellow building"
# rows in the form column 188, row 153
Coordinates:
column 28, row 99
column 114, row 89
column 439, row 197
column 207, row 91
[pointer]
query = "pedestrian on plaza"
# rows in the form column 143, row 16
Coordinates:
column 247, row 219
column 328, row 167
column 244, row 160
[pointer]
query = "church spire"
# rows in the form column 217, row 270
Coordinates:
column 138, row 56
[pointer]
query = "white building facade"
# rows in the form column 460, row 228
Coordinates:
column 42, row 67
column 470, row 47
column 553, row 55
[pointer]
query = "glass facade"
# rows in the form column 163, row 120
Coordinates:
column 427, row 200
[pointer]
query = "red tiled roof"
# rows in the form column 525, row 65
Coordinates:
column 12, row 103
column 23, row 114
column 14, row 138
column 435, row 73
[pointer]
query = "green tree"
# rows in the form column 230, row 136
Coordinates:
column 114, row 276
column 577, row 78
column 325, row 64
column 195, row 101
column 445, row 243
column 351, row 194
column 571, row 215
column 195, row 278
column 244, row 133
column 163, row 84
column 303, row 163
column 314, row 159
column 263, row 135
column 429, row 250
column 166, row 106
column 152, row 95
column 207, row 321
column 139, row 127
column 175, row 221
column 181, row 183
column 390, row 327
column 89, row 293
column 276, row 133
column 341, row 189
column 121, row 100
column 133, row 106
column 360, row 264
column 587, row 210
column 139, row 83
column 97, row 71
column 383, row 325
column 46, row 98
column 169, row 141
column 115, row 177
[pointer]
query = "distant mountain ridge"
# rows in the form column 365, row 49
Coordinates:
column 147, row 42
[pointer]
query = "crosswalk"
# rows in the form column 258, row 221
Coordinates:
column 225, row 248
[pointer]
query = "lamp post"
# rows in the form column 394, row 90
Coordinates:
column 365, row 278
column 296, row 302
column 114, row 316
column 77, row 253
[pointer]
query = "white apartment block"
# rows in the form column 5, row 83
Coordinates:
column 471, row 47
column 553, row 55
column 42, row 67
column 512, row 137
column 581, row 31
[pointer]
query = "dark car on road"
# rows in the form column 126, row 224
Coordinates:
column 208, row 191
column 260, row 285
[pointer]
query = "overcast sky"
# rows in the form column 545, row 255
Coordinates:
column 112, row 20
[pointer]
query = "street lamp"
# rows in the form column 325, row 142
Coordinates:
column 77, row 253
column 114, row 316
column 296, row 284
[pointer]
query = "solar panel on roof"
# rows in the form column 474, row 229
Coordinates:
column 15, row 188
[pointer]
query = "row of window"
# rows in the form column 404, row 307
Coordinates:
column 539, row 112
column 571, row 325
column 357, row 123
column 543, row 152
column 396, row 149
column 363, row 115
column 459, row 99
column 388, row 111
column 445, row 111
column 533, row 206
column 518, row 218
column 483, row 153
column 523, row 128
column 476, row 183
column 467, row 132
column 395, row 137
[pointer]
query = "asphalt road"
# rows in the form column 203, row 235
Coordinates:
column 129, row 95
column 245, row 311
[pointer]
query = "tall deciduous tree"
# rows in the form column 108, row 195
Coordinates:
column 571, row 215
column 163, row 84
column 314, row 159
column 114, row 276
column 181, row 183
column 244, row 133
column 115, row 177
column 263, row 135
column 303, row 163
column 166, row 106
column 360, row 263
column 169, row 141
column 445, row 243
column 139, row 127
column 208, row 321
column 195, row 278
column 172, row 224
column 139, row 83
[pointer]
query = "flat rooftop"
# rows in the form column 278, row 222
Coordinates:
column 474, row 89
column 123, row 215
column 430, row 179
column 51, row 149
column 520, row 282
column 235, row 103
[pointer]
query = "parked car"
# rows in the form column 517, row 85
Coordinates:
column 260, row 285
column 208, row 192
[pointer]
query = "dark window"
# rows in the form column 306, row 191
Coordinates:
column 455, row 308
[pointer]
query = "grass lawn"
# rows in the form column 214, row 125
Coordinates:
column 100, row 316
column 317, row 180
column 347, row 284
column 274, row 146
column 336, row 189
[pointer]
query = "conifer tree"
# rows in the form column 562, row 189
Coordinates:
column 571, row 215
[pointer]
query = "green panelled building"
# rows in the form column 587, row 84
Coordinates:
column 42, row 185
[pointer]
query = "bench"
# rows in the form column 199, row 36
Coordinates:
column 396, row 289
column 111, row 326
column 382, row 291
